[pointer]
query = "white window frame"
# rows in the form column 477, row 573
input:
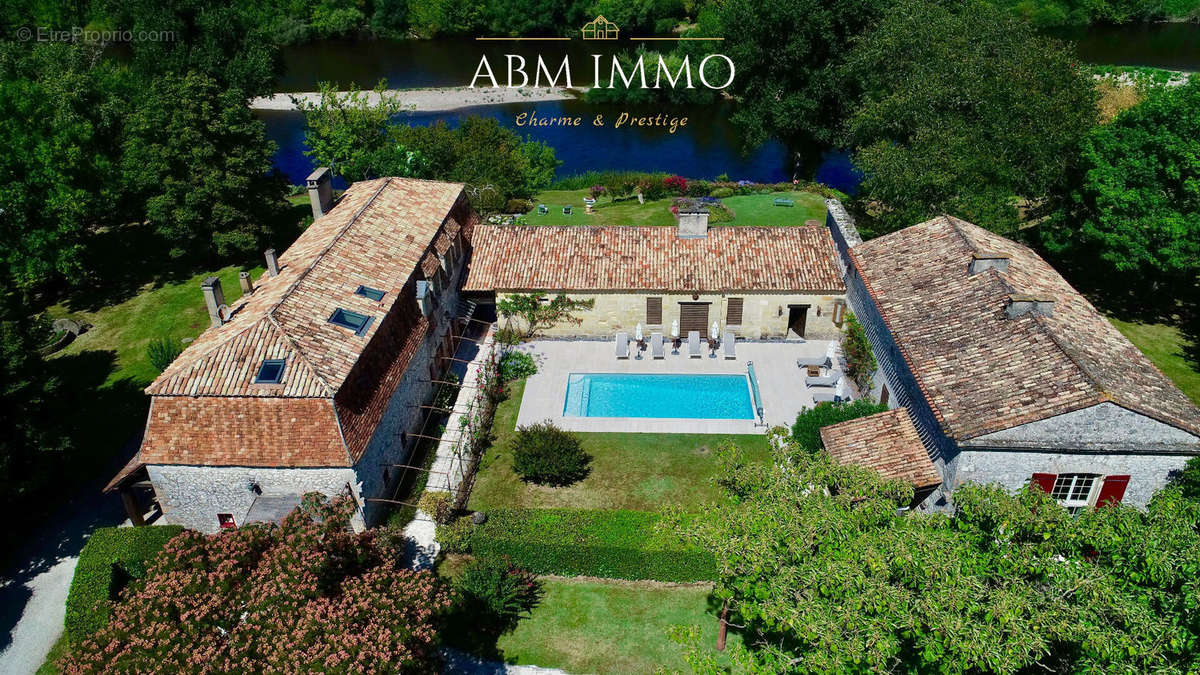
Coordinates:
column 1068, row 484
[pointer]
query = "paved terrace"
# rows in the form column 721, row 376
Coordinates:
column 780, row 381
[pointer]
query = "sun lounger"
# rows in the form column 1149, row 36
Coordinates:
column 821, row 361
column 622, row 345
column 694, row 344
column 825, row 395
column 727, row 342
column 656, row 345
column 829, row 380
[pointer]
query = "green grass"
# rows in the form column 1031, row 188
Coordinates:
column 749, row 210
column 1167, row 348
column 59, row 650
column 633, row 471
column 597, row 626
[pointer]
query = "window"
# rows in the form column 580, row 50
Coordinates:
column 368, row 292
column 270, row 372
column 654, row 311
column 1074, row 490
column 225, row 521
column 733, row 314
column 352, row 320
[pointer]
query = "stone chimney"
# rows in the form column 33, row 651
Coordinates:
column 272, row 262
column 693, row 224
column 247, row 284
column 214, row 300
column 1020, row 305
column 987, row 261
column 320, row 191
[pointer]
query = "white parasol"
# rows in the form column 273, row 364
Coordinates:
column 675, row 328
column 716, row 331
column 637, row 333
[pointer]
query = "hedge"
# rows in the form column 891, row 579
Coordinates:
column 610, row 544
column 111, row 557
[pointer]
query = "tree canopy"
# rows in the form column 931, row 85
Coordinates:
column 821, row 574
column 1134, row 200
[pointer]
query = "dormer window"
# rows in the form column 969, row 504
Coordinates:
column 359, row 323
column 370, row 293
column 270, row 372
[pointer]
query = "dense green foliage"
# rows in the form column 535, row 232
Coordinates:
column 825, row 576
column 162, row 352
column 1083, row 12
column 610, row 544
column 1134, row 200
column 806, row 431
column 516, row 365
column 544, row 454
column 112, row 557
column 497, row 593
column 32, row 443
column 352, row 134
column 537, row 315
column 306, row 595
column 860, row 360
column 980, row 112
column 438, row 505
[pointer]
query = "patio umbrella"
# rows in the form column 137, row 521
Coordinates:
column 637, row 333
column 675, row 328
column 716, row 331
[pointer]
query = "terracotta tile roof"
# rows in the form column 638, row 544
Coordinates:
column 653, row 258
column 375, row 236
column 887, row 442
column 982, row 371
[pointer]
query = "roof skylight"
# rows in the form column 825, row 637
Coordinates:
column 368, row 292
column 270, row 372
column 352, row 320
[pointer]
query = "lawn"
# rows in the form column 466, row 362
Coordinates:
column 603, row 626
column 756, row 210
column 629, row 470
column 1168, row 349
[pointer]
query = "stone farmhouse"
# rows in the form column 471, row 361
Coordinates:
column 1009, row 374
column 759, row 282
column 312, row 380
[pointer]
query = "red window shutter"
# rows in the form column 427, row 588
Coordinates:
column 1112, row 490
column 1045, row 481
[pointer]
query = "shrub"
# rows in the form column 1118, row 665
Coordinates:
column 439, row 505
column 509, row 336
column 517, row 206
column 676, row 184
column 446, row 394
column 860, row 360
column 455, row 536
column 547, row 455
column 1188, row 479
column 721, row 192
column 498, row 592
column 516, row 366
column 162, row 352
column 807, row 429
column 611, row 544
column 653, row 188
column 596, row 191
column 698, row 188
column 111, row 558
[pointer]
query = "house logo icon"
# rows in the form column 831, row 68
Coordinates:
column 600, row 28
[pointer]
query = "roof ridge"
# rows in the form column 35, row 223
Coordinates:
column 329, row 391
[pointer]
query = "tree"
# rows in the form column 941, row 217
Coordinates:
column 806, row 432
column 978, row 114
column 538, row 314
column 822, row 574
column 201, row 164
column 1134, row 201
column 303, row 596
column 352, row 133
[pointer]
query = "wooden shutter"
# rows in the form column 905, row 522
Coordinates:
column 693, row 316
column 1045, row 481
column 654, row 311
column 1112, row 490
column 733, row 313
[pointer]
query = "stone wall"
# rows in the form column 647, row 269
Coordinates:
column 1013, row 469
column 192, row 496
column 764, row 315
column 1106, row 427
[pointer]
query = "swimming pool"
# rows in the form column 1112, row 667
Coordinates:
column 712, row 397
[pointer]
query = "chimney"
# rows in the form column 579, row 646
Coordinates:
column 320, row 191
column 214, row 299
column 272, row 263
column 1020, row 305
column 247, row 284
column 424, row 297
column 987, row 261
column 693, row 224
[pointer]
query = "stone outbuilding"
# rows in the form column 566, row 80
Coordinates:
column 312, row 380
column 1010, row 375
column 888, row 443
column 759, row 282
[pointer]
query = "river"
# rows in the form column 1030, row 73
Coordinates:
column 706, row 147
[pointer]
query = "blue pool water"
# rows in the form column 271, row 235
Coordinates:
column 713, row 397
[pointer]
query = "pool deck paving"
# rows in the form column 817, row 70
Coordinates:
column 780, row 381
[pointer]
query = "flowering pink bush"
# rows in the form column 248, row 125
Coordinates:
column 304, row 596
column 676, row 184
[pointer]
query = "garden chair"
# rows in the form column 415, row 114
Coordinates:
column 566, row 210
column 780, row 201
column 656, row 345
column 543, row 209
column 694, row 350
column 728, row 344
column 622, row 345
column 829, row 380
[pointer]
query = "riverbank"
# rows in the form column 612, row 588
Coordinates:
column 434, row 99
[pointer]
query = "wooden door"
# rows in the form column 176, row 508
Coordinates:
column 693, row 316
